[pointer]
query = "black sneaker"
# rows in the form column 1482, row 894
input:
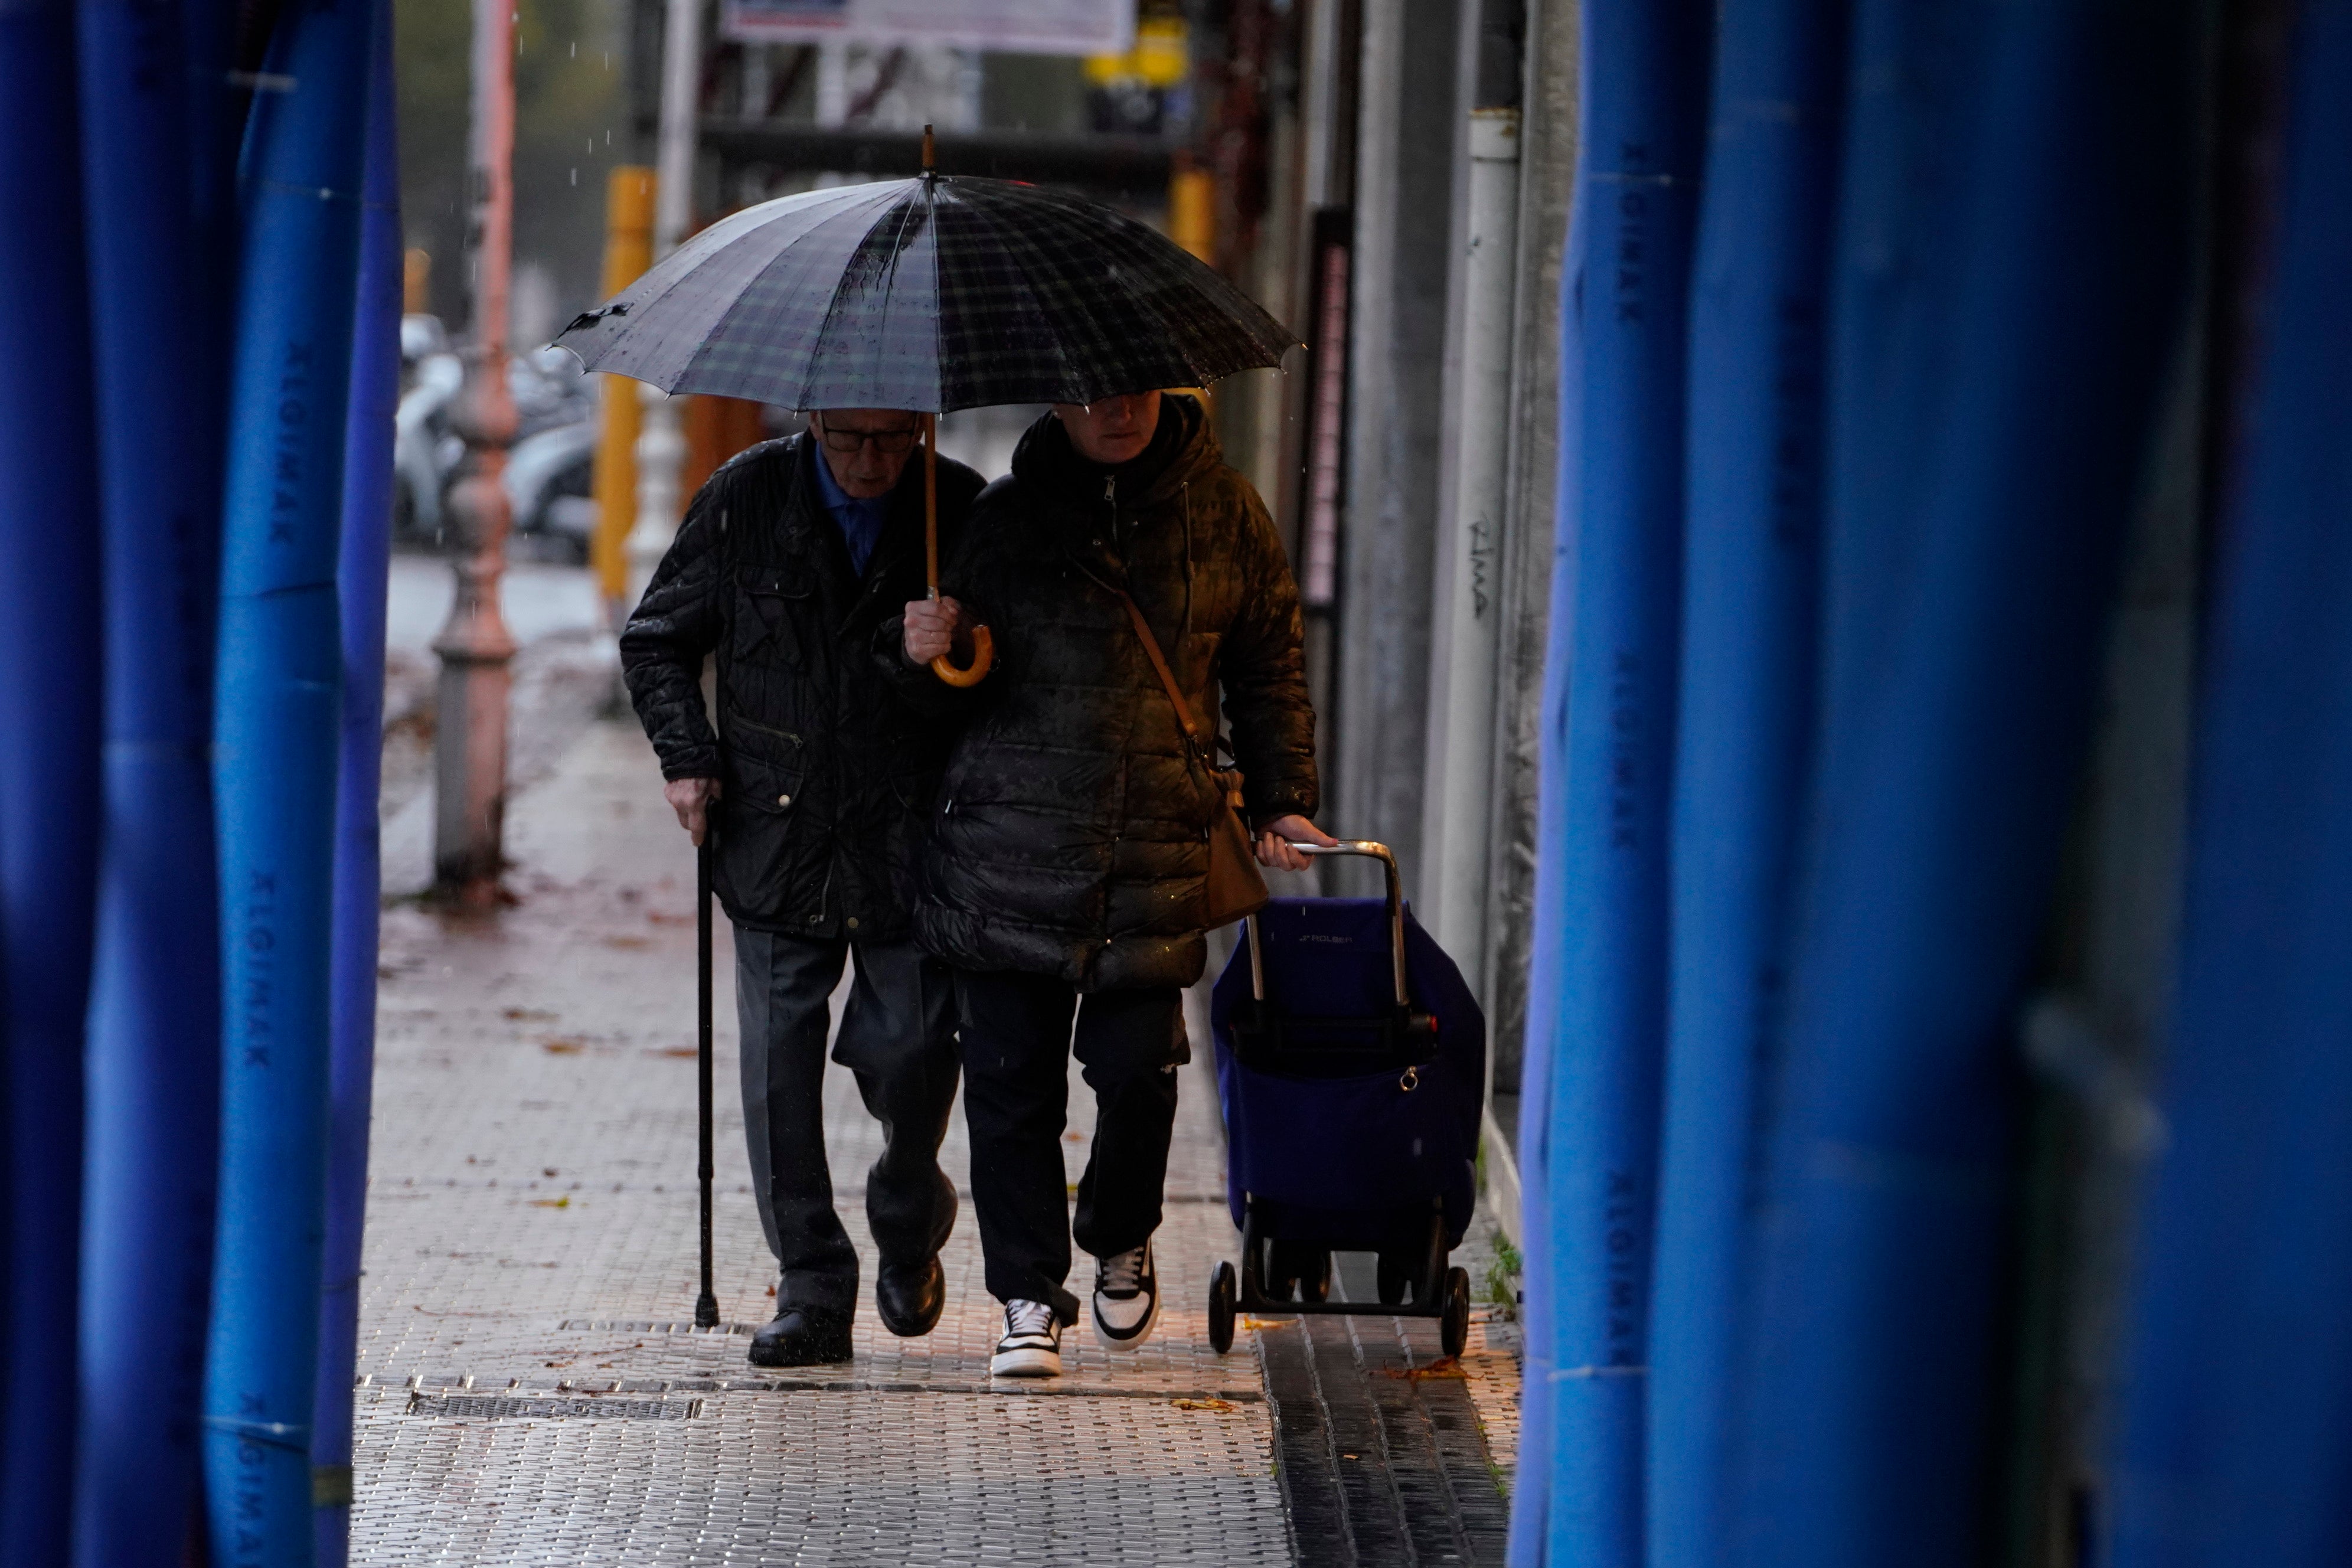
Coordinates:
column 1031, row 1345
column 1126, row 1298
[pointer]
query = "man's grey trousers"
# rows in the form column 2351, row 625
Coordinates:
column 898, row 1036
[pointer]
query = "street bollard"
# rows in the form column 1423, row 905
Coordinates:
column 629, row 251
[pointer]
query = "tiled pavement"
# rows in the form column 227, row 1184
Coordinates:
column 531, row 1390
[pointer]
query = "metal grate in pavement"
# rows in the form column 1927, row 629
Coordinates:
column 1005, row 1387
column 1383, row 1459
column 500, row 1406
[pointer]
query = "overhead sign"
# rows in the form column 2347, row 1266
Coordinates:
column 1010, row 27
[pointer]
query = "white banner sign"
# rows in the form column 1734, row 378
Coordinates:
column 1010, row 27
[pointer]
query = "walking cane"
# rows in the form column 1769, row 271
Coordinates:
column 706, row 1306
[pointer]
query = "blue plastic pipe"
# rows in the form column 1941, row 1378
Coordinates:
column 279, row 680
column 2008, row 285
column 1609, row 744
column 2237, row 1435
column 1750, row 570
column 50, row 693
column 1531, row 1482
column 360, row 575
column 154, row 1024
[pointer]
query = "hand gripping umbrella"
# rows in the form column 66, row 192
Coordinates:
column 929, row 294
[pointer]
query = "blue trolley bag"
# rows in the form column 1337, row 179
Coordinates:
column 1352, row 1067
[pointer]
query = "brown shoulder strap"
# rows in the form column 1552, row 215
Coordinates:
column 1167, row 677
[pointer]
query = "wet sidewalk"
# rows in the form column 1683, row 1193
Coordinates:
column 532, row 1390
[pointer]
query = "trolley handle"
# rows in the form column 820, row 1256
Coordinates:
column 1370, row 851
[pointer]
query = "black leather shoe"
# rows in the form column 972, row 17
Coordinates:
column 909, row 1296
column 802, row 1336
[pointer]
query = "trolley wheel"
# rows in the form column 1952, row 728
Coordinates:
column 1315, row 1277
column 1221, row 1290
column 1454, row 1329
column 1395, row 1278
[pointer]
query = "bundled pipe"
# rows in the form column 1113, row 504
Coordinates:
column 1596, row 1028
column 2237, row 1430
column 361, row 576
column 159, row 177
column 1745, row 715
column 277, row 741
column 2008, row 279
column 50, row 782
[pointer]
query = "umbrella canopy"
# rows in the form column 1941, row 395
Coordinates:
column 927, row 294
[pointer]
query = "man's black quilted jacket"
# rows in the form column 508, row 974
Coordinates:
column 828, row 773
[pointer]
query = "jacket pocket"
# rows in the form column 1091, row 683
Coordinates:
column 770, row 602
column 765, row 783
column 761, row 846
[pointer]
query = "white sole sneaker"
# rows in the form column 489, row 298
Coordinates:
column 1025, row 1361
column 1116, row 1337
column 1030, row 1345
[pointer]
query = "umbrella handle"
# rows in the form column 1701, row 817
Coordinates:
column 983, row 655
column 983, row 646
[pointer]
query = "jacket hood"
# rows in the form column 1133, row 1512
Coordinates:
column 1183, row 448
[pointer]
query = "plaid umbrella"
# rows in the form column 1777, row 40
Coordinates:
column 927, row 294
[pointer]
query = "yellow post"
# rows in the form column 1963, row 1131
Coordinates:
column 1193, row 223
column 1192, row 207
column 415, row 281
column 629, row 251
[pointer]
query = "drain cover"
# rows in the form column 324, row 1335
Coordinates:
column 511, row 1408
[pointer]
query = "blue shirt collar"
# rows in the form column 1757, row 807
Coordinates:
column 860, row 522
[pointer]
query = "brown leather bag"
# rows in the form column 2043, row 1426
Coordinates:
column 1236, row 888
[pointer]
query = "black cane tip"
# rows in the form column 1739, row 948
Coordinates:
column 705, row 1311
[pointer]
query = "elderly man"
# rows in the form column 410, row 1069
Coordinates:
column 1065, row 879
column 817, row 779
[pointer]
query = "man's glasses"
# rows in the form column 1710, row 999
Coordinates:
column 889, row 443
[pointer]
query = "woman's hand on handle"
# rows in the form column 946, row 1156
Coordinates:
column 1274, row 852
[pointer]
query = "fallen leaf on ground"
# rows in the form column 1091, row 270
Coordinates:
column 1202, row 1404
column 1444, row 1366
column 563, row 1202
column 686, row 1052
column 563, row 1047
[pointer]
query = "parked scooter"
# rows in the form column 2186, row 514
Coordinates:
column 549, row 470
